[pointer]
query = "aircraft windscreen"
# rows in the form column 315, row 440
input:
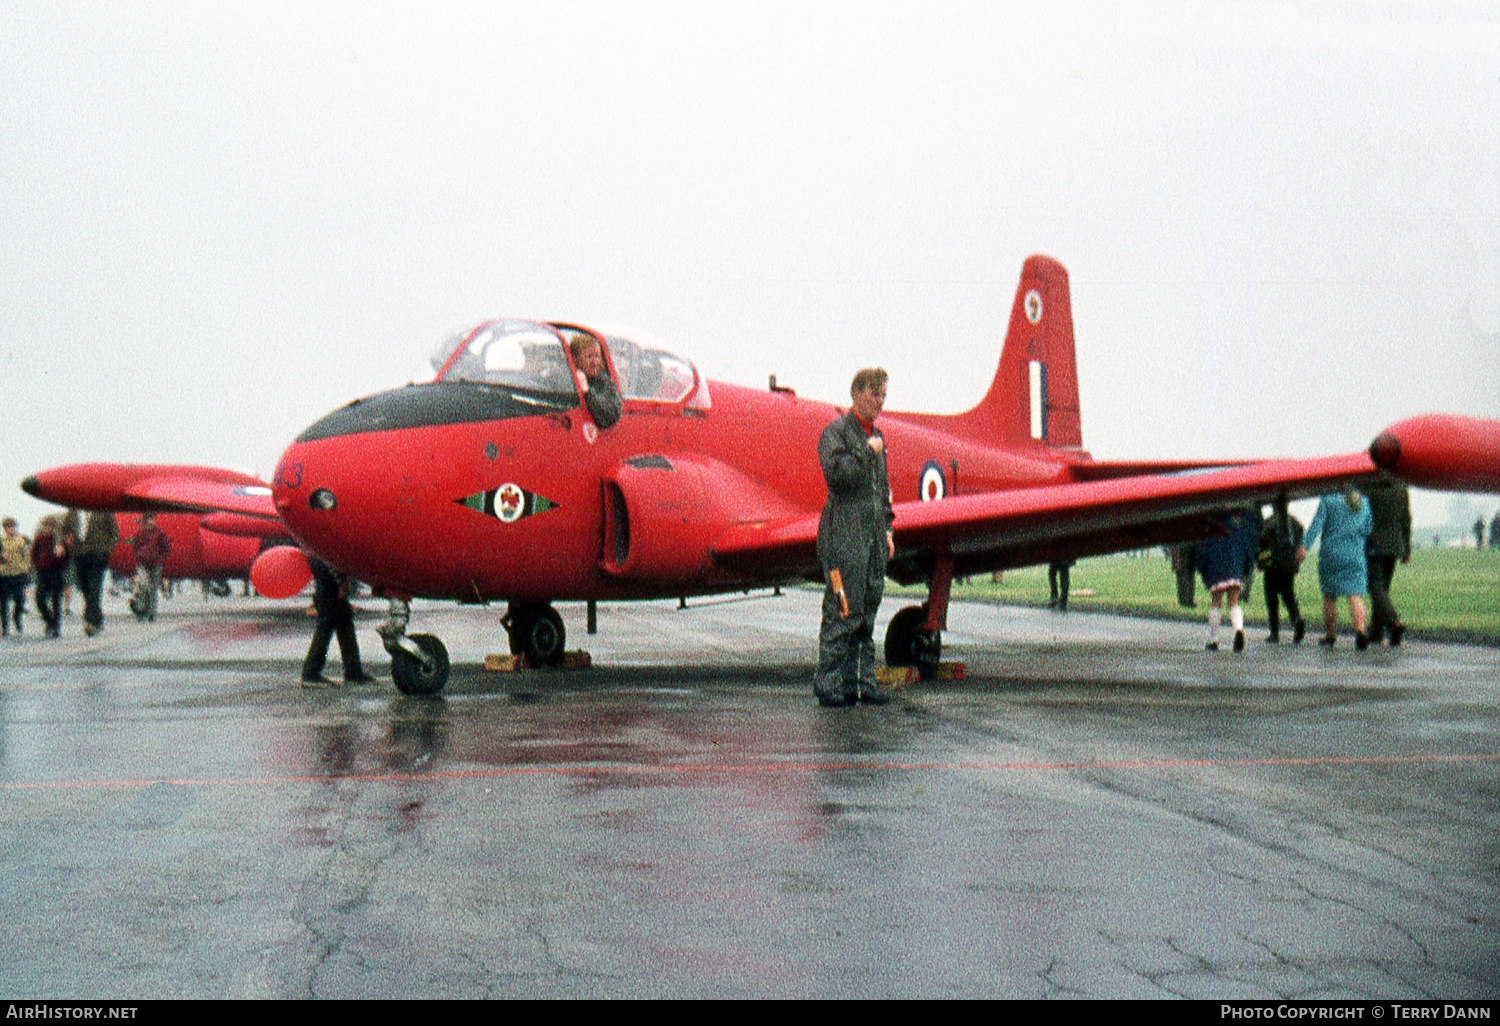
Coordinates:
column 427, row 371
column 518, row 354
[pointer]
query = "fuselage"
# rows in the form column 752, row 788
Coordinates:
column 418, row 493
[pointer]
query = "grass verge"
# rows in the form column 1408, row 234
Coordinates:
column 1442, row 594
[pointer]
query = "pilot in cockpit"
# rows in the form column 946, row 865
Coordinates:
column 599, row 392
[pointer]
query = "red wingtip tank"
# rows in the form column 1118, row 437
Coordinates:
column 1442, row 451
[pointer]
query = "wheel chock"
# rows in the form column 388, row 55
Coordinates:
column 495, row 663
column 901, row 676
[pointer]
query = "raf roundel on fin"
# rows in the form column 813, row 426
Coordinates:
column 508, row 503
column 1034, row 306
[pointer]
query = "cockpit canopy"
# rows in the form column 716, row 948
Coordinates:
column 510, row 368
column 654, row 374
column 533, row 357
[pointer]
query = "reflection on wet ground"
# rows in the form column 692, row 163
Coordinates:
column 1108, row 813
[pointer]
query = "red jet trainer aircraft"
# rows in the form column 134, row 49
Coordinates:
column 197, row 552
column 491, row 481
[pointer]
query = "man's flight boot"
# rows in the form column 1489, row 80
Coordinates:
column 829, row 698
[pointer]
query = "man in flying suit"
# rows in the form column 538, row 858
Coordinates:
column 854, row 542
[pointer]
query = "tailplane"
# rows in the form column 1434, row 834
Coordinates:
column 1035, row 392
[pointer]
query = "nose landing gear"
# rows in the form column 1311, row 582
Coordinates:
column 419, row 662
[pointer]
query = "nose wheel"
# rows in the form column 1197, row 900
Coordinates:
column 420, row 675
column 419, row 662
column 536, row 631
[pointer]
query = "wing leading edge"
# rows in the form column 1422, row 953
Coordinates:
column 1023, row 527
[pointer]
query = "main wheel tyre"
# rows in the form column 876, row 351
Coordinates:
column 929, row 653
column 900, row 636
column 537, row 632
column 909, row 643
column 412, row 677
column 545, row 638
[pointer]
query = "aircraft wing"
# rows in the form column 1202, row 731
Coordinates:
column 233, row 503
column 193, row 496
column 1023, row 527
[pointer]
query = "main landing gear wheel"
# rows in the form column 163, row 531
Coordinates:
column 415, row 676
column 536, row 631
column 909, row 643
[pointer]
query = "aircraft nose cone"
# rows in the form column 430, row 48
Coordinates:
column 31, row 486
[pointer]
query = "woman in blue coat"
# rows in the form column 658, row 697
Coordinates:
column 1225, row 560
column 1342, row 524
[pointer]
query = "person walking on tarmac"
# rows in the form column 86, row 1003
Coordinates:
column 1224, row 561
column 1341, row 526
column 855, row 541
column 1389, row 541
column 1280, row 539
column 151, row 546
column 91, row 560
column 335, row 617
column 15, row 573
column 49, row 557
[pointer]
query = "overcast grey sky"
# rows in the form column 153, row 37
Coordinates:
column 221, row 219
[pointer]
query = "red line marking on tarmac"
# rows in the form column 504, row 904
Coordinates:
column 768, row 767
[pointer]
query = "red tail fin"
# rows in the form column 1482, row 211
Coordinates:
column 1037, row 362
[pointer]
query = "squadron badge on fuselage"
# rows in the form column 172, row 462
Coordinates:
column 508, row 503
